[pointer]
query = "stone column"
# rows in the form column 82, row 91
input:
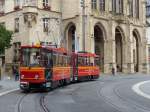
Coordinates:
column 124, row 57
column 129, row 58
column 143, row 65
column 109, row 56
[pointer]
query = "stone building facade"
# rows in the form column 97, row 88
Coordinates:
column 148, row 28
column 113, row 29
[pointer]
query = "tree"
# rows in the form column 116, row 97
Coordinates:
column 5, row 39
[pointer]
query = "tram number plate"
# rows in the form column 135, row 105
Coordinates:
column 48, row 84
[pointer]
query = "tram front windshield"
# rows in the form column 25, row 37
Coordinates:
column 30, row 57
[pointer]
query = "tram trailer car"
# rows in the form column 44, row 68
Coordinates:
column 85, row 66
column 44, row 67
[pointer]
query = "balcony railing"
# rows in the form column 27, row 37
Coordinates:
column 46, row 7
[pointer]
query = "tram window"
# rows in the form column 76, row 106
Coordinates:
column 65, row 60
column 81, row 61
column 68, row 60
column 30, row 57
column 57, row 60
column 50, row 62
column 44, row 59
column 87, row 59
column 60, row 60
column 54, row 60
column 91, row 61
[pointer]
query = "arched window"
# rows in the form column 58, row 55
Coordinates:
column 94, row 4
column 102, row 5
column 117, row 6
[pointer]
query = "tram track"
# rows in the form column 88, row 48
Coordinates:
column 107, row 100
column 124, row 101
column 42, row 103
column 136, row 105
column 19, row 109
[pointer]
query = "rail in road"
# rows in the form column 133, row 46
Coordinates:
column 42, row 103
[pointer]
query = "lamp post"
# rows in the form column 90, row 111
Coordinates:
column 83, row 23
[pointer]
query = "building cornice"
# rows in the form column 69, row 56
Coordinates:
column 14, row 11
column 74, row 17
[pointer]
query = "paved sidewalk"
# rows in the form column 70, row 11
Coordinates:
column 7, row 85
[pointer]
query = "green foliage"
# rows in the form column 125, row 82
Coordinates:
column 5, row 38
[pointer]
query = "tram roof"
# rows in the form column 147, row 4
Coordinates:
column 86, row 54
column 60, row 50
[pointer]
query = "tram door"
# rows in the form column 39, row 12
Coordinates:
column 47, row 62
column 74, row 64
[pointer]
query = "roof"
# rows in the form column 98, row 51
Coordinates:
column 51, row 48
column 86, row 54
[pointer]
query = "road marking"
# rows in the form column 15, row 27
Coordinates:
column 136, row 88
column 7, row 92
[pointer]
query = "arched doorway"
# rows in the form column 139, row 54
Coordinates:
column 119, row 47
column 135, row 51
column 99, row 45
column 71, row 38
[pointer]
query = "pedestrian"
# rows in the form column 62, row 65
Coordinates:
column 16, row 74
column 113, row 71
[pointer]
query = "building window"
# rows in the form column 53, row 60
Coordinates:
column 17, row 5
column 45, row 3
column 102, row 5
column 117, row 6
column 30, row 3
column 45, row 24
column 16, row 47
column 16, row 25
column 17, row 2
column 1, row 5
column 134, row 8
column 94, row 4
column 131, row 8
column 148, row 11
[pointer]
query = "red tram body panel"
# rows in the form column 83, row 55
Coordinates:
column 32, row 74
column 61, row 73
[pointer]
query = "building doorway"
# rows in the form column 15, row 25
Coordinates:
column 99, row 45
column 119, row 47
column 135, row 52
column 71, row 38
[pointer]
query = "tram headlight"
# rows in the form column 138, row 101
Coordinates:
column 36, row 76
column 22, row 76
